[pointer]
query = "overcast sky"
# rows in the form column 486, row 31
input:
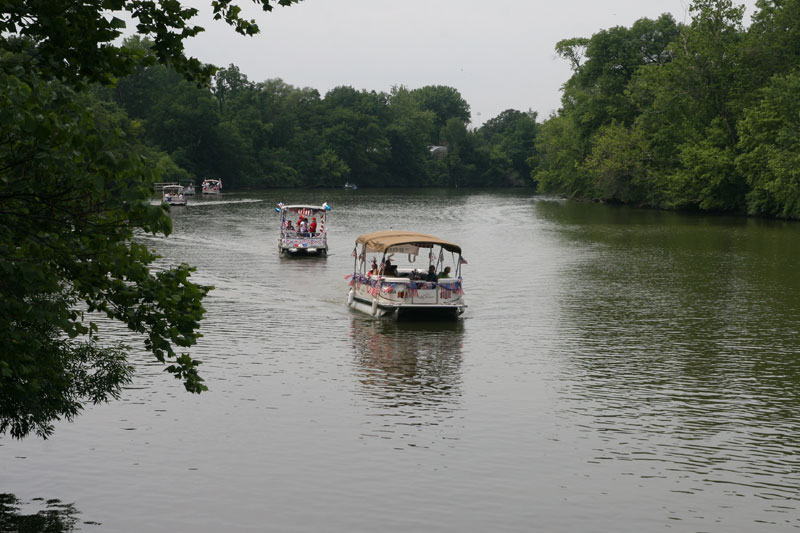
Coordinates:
column 499, row 54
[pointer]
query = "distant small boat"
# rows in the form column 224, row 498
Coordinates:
column 188, row 187
column 309, row 237
column 212, row 186
column 349, row 185
column 173, row 195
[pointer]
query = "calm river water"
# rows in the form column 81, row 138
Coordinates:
column 616, row 370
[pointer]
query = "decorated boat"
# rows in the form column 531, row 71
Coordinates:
column 188, row 187
column 211, row 186
column 410, row 288
column 304, row 229
column 173, row 195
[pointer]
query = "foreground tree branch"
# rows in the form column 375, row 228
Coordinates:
column 75, row 187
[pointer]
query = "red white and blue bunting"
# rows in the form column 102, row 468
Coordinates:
column 376, row 286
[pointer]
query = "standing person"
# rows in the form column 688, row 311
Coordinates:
column 313, row 226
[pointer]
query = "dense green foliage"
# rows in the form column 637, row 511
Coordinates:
column 75, row 188
column 271, row 134
column 701, row 116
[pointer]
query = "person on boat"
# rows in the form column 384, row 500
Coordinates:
column 444, row 273
column 389, row 269
column 303, row 226
column 313, row 226
column 374, row 268
column 289, row 226
column 431, row 274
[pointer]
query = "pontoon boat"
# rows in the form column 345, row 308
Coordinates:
column 304, row 229
column 429, row 288
column 188, row 187
column 212, row 186
column 173, row 195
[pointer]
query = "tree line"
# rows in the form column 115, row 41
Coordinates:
column 272, row 134
column 701, row 116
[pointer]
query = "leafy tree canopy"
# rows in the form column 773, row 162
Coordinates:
column 75, row 40
column 75, row 185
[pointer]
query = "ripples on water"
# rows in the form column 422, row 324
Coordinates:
column 616, row 370
column 410, row 374
column 678, row 348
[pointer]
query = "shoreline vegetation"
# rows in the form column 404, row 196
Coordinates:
column 692, row 117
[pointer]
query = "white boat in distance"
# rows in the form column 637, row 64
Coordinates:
column 211, row 186
column 173, row 195
column 188, row 187
column 410, row 291
column 304, row 229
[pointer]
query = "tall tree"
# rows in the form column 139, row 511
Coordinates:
column 604, row 64
column 445, row 103
column 689, row 109
column 512, row 136
column 408, row 135
column 770, row 146
column 74, row 188
column 77, row 41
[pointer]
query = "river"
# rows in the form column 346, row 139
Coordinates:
column 616, row 370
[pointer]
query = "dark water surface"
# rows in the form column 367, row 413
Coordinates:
column 616, row 370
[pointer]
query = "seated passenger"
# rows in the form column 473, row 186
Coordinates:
column 389, row 269
column 444, row 273
column 431, row 274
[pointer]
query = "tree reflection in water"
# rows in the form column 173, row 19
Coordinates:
column 56, row 517
column 415, row 365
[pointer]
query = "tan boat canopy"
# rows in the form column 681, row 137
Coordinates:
column 381, row 241
column 295, row 208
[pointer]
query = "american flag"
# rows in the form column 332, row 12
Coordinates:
column 374, row 289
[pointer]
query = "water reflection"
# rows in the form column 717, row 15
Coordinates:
column 679, row 343
column 409, row 371
column 55, row 517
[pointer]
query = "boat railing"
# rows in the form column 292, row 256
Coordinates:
column 159, row 185
column 301, row 235
column 404, row 290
